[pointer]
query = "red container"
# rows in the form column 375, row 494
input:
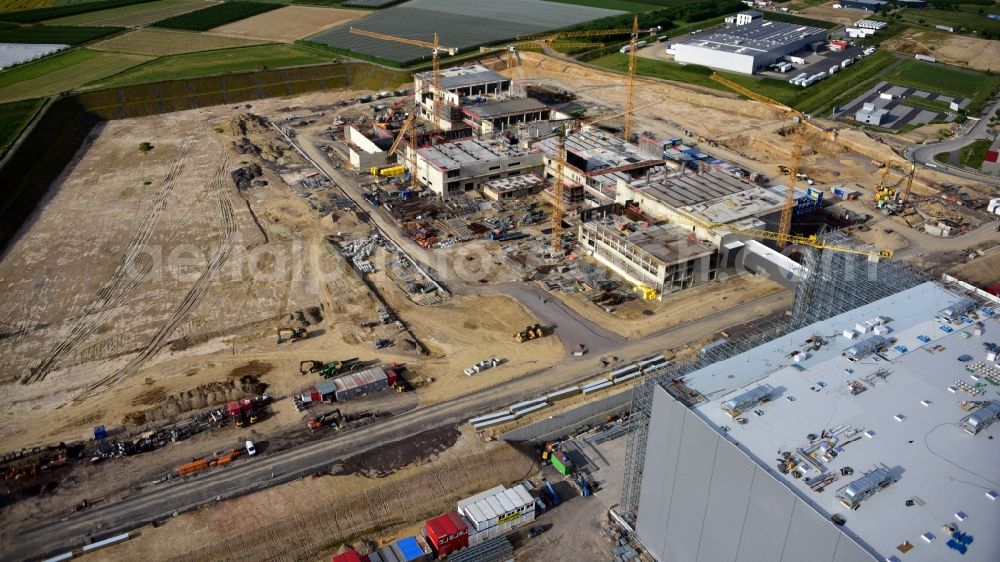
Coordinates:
column 246, row 405
column 392, row 376
column 349, row 556
column 234, row 409
column 447, row 533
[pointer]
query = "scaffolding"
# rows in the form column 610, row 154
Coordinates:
column 834, row 283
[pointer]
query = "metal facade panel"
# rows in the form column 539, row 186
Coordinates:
column 810, row 537
column 767, row 520
column 849, row 551
column 691, row 490
column 728, row 498
column 660, row 465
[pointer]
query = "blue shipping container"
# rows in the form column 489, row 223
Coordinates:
column 410, row 549
column 100, row 433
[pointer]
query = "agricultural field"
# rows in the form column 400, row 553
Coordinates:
column 461, row 25
column 134, row 15
column 162, row 42
column 57, row 35
column 623, row 5
column 944, row 80
column 289, row 23
column 63, row 73
column 64, row 10
column 209, row 63
column 15, row 5
column 215, row 16
column 13, row 117
column 965, row 18
column 961, row 50
column 826, row 12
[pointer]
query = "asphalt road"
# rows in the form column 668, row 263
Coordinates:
column 924, row 154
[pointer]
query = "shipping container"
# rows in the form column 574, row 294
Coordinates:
column 526, row 404
column 411, row 549
column 626, row 370
column 373, row 557
column 387, row 554
column 349, row 556
column 486, row 417
column 597, row 386
column 562, row 463
column 447, row 533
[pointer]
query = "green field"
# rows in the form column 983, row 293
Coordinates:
column 974, row 154
column 817, row 99
column 941, row 79
column 789, row 18
column 208, row 63
column 60, row 35
column 52, row 12
column 13, row 117
column 134, row 15
column 62, row 73
column 214, row 16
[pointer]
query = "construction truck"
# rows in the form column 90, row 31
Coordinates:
column 291, row 334
column 323, row 421
column 529, row 333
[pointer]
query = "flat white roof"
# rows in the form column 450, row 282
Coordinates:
column 905, row 420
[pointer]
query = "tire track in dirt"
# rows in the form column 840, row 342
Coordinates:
column 228, row 228
column 127, row 275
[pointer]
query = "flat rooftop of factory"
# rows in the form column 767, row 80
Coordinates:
column 600, row 150
column 902, row 414
column 758, row 36
column 462, row 76
column 469, row 151
column 512, row 106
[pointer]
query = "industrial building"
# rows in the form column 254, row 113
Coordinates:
column 867, row 5
column 498, row 116
column 778, row 446
column 453, row 168
column 871, row 114
column 496, row 511
column 751, row 46
column 505, row 189
column 662, row 257
column 598, row 161
column 458, row 86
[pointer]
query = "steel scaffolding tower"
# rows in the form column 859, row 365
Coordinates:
column 834, row 283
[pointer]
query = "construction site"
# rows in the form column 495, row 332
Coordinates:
column 335, row 297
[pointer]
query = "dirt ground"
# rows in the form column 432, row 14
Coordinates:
column 632, row 321
column 982, row 272
column 289, row 23
column 313, row 518
column 160, row 42
column 826, row 12
column 981, row 54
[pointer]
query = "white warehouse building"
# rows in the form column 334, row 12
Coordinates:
column 752, row 45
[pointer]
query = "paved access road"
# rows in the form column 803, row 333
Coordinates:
column 924, row 154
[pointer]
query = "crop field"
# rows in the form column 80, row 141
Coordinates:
column 372, row 3
column 214, row 16
column 63, row 73
column 623, row 5
column 290, row 23
column 64, row 10
column 461, row 25
column 161, row 42
column 15, row 5
column 944, row 80
column 13, row 117
column 134, row 15
column 208, row 63
column 56, row 35
column 963, row 17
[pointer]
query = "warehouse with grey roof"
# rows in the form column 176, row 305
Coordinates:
column 750, row 46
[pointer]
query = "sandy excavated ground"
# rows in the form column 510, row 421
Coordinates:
column 289, row 23
column 312, row 518
column 981, row 54
column 826, row 12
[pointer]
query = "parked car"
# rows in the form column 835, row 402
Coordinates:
column 535, row 531
column 251, row 450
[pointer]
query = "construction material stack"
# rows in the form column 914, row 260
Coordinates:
column 496, row 511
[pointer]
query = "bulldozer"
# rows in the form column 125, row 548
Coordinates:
column 529, row 333
column 291, row 334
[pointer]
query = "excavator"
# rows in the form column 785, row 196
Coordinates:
column 291, row 334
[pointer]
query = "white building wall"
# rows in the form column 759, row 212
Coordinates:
column 694, row 54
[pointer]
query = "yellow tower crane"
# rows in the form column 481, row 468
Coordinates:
column 559, row 159
column 411, row 157
column 435, row 48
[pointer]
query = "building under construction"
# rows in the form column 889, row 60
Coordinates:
column 776, row 446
